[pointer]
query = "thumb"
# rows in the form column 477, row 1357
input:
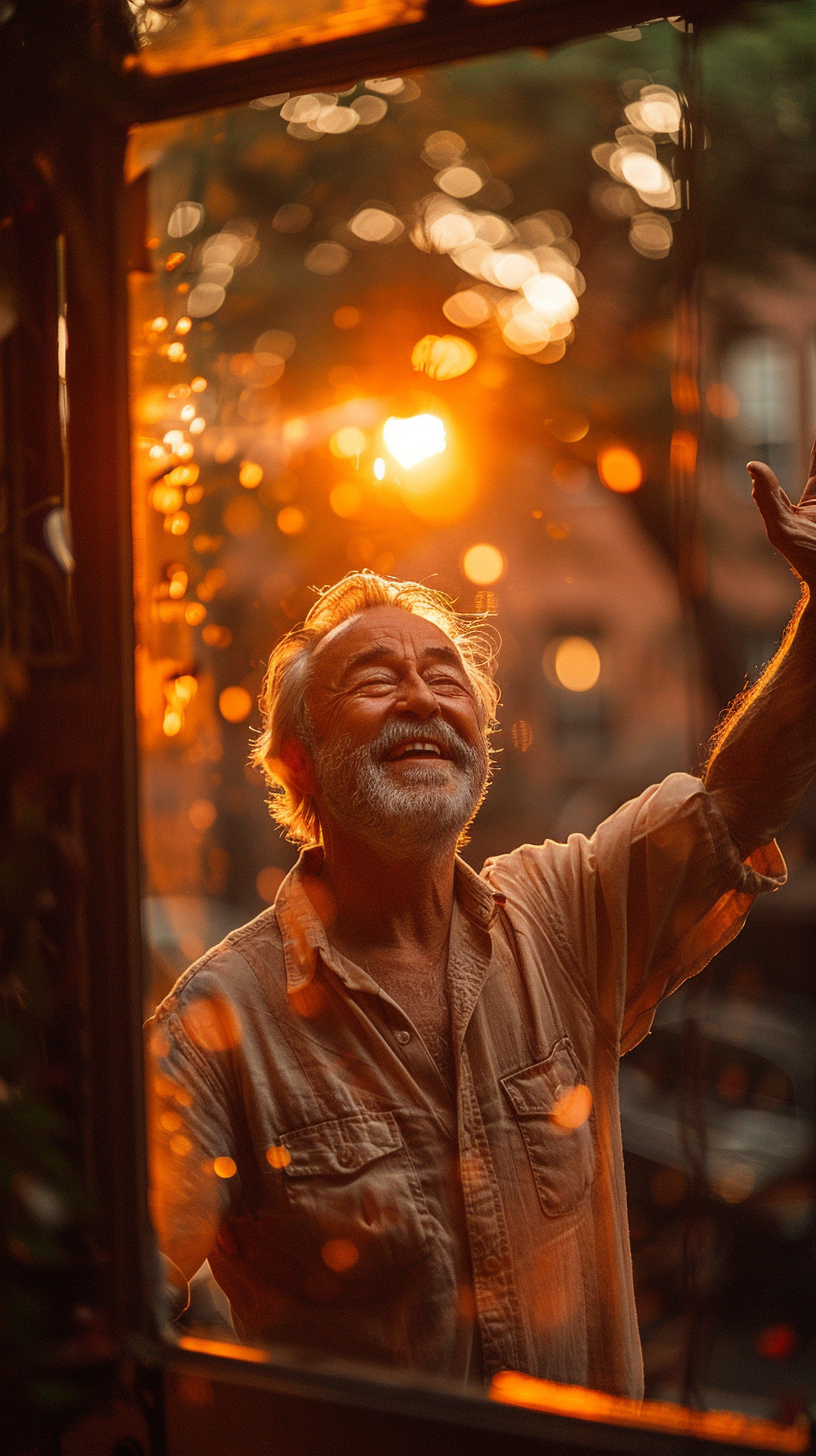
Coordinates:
column 771, row 499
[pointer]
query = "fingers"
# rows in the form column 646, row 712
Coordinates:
column 771, row 499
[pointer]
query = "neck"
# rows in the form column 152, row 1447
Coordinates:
column 384, row 903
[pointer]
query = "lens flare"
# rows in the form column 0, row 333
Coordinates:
column 414, row 439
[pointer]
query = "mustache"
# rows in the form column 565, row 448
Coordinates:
column 395, row 732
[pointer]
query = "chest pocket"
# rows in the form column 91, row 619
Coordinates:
column 553, row 1105
column 355, row 1197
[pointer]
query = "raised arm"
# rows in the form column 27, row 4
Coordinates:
column 763, row 754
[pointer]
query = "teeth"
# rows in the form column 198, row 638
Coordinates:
column 418, row 746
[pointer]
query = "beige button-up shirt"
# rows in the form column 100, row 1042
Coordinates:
column 348, row 1206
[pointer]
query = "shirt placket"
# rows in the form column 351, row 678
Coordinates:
column 498, row 1306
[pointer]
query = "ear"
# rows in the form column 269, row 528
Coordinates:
column 298, row 765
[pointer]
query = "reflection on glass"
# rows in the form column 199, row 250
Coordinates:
column 209, row 32
column 429, row 331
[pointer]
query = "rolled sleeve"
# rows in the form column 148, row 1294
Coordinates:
column 643, row 904
column 687, row 891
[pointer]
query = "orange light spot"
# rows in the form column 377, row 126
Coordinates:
column 269, row 882
column 176, row 352
column 170, row 1121
column 277, row 1156
column 235, row 704
column 444, row 357
column 340, row 1255
column 181, row 475
column 250, row 474
column 173, row 261
column 184, row 325
column 165, row 497
column 573, row 663
column 346, row 317
column 178, row 524
column 620, row 469
column 202, row 814
column 722, row 401
column 215, row 636
column 572, row 1108
column 224, row 1167
column 347, row 442
column 180, row 1145
column 291, row 521
column 194, row 613
column 212, row 1024
column 171, row 723
column 484, row 564
column 199, row 384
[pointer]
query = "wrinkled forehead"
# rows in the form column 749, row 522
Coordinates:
column 398, row 632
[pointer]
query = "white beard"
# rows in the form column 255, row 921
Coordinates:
column 417, row 818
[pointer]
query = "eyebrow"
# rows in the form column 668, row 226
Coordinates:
column 381, row 650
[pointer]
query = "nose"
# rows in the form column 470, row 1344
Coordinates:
column 417, row 697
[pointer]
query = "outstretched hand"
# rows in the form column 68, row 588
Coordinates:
column 790, row 528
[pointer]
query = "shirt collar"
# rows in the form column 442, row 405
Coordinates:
column 304, row 933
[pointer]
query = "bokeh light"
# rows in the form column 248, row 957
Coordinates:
column 346, row 317
column 340, row 1255
column 444, row 357
column 620, row 469
column 268, row 882
column 573, row 663
column 291, row 521
column 202, row 814
column 234, row 704
column 347, row 442
column 414, row 439
column 722, row 401
column 224, row 1167
column 483, row 564
column 250, row 474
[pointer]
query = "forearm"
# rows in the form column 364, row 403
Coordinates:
column 764, row 753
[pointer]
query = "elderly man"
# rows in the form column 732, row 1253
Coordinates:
column 387, row 1107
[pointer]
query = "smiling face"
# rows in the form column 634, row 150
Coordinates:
column 397, row 748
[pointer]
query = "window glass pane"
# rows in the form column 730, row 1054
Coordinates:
column 433, row 328
column 209, row 32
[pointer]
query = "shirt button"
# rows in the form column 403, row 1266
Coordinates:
column 345, row 1157
column 403, row 1037
column 492, row 1264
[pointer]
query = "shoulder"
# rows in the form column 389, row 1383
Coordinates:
column 248, row 962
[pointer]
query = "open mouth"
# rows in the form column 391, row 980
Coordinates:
column 417, row 750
